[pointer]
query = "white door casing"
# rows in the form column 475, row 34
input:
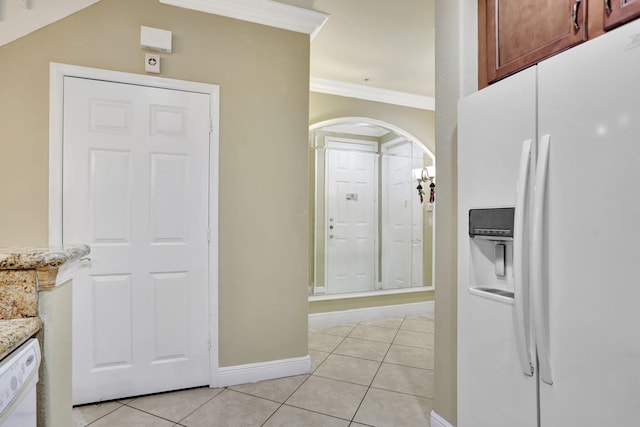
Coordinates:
column 351, row 220
column 140, row 192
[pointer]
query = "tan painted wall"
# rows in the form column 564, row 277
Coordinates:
column 263, row 73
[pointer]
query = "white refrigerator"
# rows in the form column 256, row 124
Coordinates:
column 549, row 292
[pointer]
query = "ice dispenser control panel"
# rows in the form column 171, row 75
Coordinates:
column 493, row 223
column 491, row 233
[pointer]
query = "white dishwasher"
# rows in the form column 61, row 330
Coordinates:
column 18, row 378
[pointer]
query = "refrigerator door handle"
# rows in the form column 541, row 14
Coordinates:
column 520, row 282
column 540, row 309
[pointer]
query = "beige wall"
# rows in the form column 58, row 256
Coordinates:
column 419, row 123
column 263, row 74
column 456, row 76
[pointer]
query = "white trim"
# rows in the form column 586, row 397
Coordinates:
column 254, row 372
column 352, row 90
column 265, row 12
column 349, row 144
column 67, row 271
column 57, row 73
column 438, row 421
column 394, row 128
column 331, row 318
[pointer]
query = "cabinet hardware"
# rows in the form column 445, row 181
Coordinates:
column 576, row 6
column 607, row 6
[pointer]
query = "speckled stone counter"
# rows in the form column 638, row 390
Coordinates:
column 24, row 271
column 44, row 261
column 18, row 294
column 35, row 298
column 40, row 257
column 14, row 332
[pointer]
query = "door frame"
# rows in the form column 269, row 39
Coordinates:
column 57, row 73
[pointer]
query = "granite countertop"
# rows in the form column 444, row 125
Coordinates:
column 14, row 332
column 40, row 257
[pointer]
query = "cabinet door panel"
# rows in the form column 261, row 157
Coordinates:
column 618, row 12
column 520, row 33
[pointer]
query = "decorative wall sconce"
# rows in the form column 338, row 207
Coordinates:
column 426, row 174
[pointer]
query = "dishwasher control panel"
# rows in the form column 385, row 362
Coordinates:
column 18, row 370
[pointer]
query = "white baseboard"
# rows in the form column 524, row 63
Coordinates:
column 331, row 318
column 438, row 421
column 254, row 372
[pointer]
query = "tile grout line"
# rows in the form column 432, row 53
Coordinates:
column 136, row 409
column 402, row 392
column 342, row 340
column 285, row 400
column 207, row 401
column 376, row 374
column 108, row 413
column 305, row 380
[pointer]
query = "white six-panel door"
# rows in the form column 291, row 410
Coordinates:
column 351, row 216
column 135, row 187
column 402, row 219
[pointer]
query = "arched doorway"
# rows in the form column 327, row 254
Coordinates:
column 372, row 230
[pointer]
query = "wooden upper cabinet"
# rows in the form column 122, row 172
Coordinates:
column 520, row 33
column 513, row 34
column 618, row 12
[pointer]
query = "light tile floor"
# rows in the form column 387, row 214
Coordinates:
column 367, row 374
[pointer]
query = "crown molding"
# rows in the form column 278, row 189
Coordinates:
column 369, row 93
column 265, row 12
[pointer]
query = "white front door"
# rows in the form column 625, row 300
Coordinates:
column 351, row 221
column 135, row 187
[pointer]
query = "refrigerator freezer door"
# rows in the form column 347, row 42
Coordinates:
column 492, row 388
column 589, row 103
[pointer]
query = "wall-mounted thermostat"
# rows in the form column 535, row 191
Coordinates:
column 155, row 39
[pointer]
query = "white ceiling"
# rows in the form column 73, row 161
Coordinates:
column 389, row 42
column 20, row 17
